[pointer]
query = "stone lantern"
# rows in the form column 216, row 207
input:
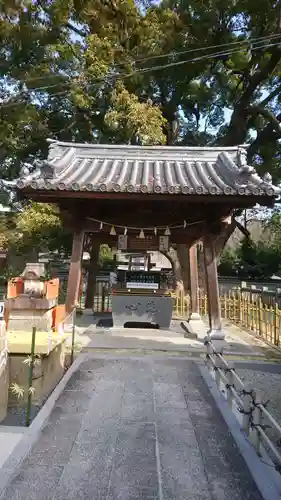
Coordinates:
column 33, row 285
column 33, row 305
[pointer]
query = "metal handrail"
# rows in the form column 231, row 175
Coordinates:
column 248, row 402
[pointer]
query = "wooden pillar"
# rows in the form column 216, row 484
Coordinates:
column 214, row 312
column 92, row 273
column 194, row 285
column 74, row 274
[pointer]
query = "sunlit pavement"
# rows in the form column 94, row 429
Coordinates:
column 134, row 428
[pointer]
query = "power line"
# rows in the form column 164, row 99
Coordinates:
column 175, row 53
column 169, row 54
column 150, row 69
column 200, row 58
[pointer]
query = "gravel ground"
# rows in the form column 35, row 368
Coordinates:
column 17, row 416
column 266, row 378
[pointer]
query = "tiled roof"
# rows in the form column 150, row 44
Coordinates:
column 154, row 169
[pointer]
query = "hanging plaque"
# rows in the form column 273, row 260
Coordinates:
column 147, row 243
column 163, row 243
column 122, row 242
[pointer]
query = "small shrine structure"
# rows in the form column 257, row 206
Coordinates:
column 31, row 300
column 139, row 197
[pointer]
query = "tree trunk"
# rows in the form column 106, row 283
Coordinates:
column 183, row 256
column 92, row 274
column 179, row 259
column 172, row 256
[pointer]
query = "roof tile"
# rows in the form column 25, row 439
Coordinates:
column 173, row 170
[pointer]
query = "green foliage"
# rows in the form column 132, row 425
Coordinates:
column 106, row 259
column 250, row 260
column 36, row 217
column 91, row 71
column 19, row 391
column 273, row 227
column 134, row 121
column 39, row 225
column 94, row 71
column 228, row 263
column 37, row 228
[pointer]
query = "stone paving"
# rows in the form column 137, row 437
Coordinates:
column 134, row 428
column 88, row 334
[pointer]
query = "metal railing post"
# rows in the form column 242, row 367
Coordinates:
column 217, row 370
column 257, row 420
column 249, row 403
column 208, row 354
column 247, row 407
column 230, row 383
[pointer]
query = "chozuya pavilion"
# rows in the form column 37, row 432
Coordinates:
column 153, row 195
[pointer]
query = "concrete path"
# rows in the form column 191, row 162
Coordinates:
column 89, row 335
column 9, row 438
column 134, row 428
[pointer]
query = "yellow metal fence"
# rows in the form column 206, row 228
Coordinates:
column 244, row 309
column 181, row 304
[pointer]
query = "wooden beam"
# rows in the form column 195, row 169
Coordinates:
column 223, row 234
column 92, row 272
column 194, row 286
column 234, row 201
column 243, row 229
column 214, row 311
column 74, row 275
column 129, row 216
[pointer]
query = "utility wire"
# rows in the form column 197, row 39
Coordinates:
column 147, row 70
column 169, row 54
column 175, row 53
column 200, row 58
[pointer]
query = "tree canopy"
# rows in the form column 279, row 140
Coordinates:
column 140, row 72
column 183, row 72
column 259, row 259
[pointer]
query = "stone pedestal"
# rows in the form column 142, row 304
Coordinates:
column 216, row 334
column 142, row 309
column 26, row 312
column 196, row 326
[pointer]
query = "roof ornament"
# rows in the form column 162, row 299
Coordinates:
column 242, row 162
column 47, row 170
column 38, row 164
column 25, row 170
column 44, row 169
column 247, row 169
column 8, row 184
column 54, row 148
column 242, row 157
column 267, row 178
